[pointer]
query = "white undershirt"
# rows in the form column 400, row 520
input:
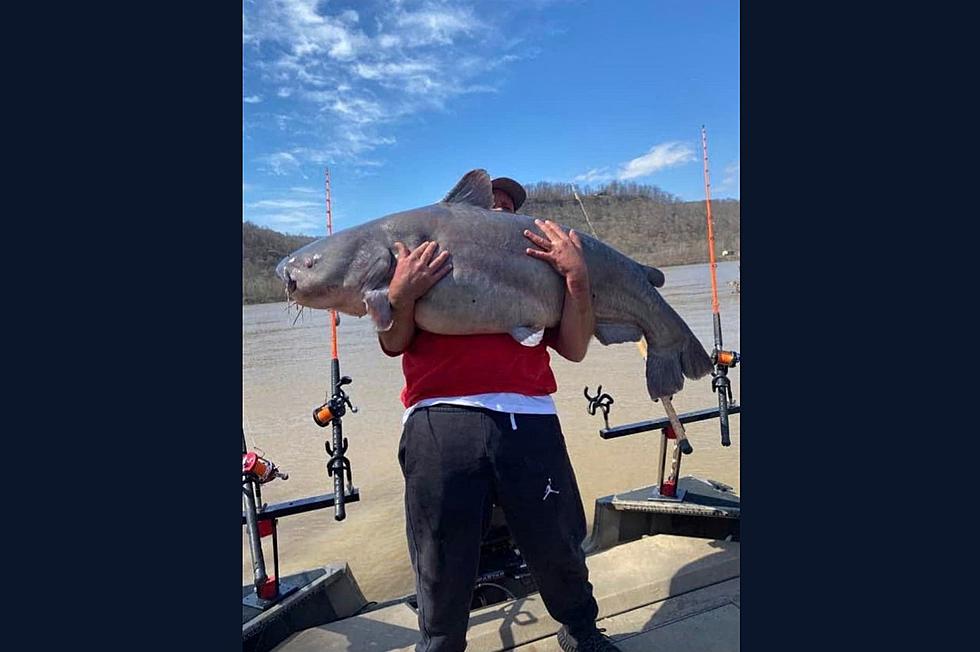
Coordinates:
column 506, row 402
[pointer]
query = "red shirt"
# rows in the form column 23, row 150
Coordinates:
column 463, row 365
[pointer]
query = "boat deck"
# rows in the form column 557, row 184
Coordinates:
column 659, row 592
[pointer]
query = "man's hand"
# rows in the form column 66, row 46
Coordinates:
column 416, row 272
column 564, row 252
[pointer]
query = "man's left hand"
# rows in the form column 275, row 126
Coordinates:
column 563, row 251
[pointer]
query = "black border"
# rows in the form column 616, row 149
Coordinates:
column 166, row 557
column 825, row 495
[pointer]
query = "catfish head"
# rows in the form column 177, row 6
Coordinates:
column 340, row 272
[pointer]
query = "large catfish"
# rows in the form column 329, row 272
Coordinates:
column 494, row 286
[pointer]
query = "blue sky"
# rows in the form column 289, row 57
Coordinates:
column 401, row 98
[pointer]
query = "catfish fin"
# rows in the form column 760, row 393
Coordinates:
column 474, row 188
column 615, row 333
column 379, row 309
column 655, row 276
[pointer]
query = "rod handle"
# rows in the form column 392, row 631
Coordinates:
column 723, row 418
column 677, row 426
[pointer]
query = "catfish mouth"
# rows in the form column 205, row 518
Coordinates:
column 282, row 271
column 340, row 300
column 285, row 274
column 304, row 297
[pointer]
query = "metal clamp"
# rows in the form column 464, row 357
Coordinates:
column 601, row 402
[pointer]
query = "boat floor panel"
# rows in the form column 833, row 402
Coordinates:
column 660, row 590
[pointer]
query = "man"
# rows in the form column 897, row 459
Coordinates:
column 481, row 428
column 508, row 195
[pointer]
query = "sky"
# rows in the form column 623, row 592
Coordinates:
column 400, row 98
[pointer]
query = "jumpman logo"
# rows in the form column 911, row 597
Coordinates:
column 548, row 490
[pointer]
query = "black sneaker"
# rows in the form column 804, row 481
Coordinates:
column 594, row 641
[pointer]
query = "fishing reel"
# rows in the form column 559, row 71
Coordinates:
column 723, row 361
column 336, row 406
column 260, row 470
column 727, row 359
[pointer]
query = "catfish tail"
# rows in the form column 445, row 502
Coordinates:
column 666, row 369
column 673, row 351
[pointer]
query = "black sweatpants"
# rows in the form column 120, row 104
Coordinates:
column 455, row 460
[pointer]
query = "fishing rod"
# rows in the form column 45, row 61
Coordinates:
column 335, row 404
column 723, row 360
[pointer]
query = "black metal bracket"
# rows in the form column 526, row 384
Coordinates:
column 338, row 463
column 600, row 401
column 658, row 424
column 312, row 503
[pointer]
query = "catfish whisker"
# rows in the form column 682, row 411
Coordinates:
column 298, row 314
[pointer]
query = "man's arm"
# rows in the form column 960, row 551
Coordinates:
column 577, row 321
column 564, row 252
column 415, row 273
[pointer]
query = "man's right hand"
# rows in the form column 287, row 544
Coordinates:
column 416, row 272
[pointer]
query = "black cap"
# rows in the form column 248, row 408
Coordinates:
column 512, row 188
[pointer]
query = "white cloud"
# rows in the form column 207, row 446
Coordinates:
column 351, row 142
column 347, row 77
column 658, row 158
column 298, row 209
column 321, row 97
column 595, row 174
column 298, row 25
column 348, row 16
column 282, row 203
column 388, row 41
column 361, row 141
column 435, row 26
column 294, row 222
column 358, row 110
column 393, row 69
column 279, row 163
column 252, row 99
